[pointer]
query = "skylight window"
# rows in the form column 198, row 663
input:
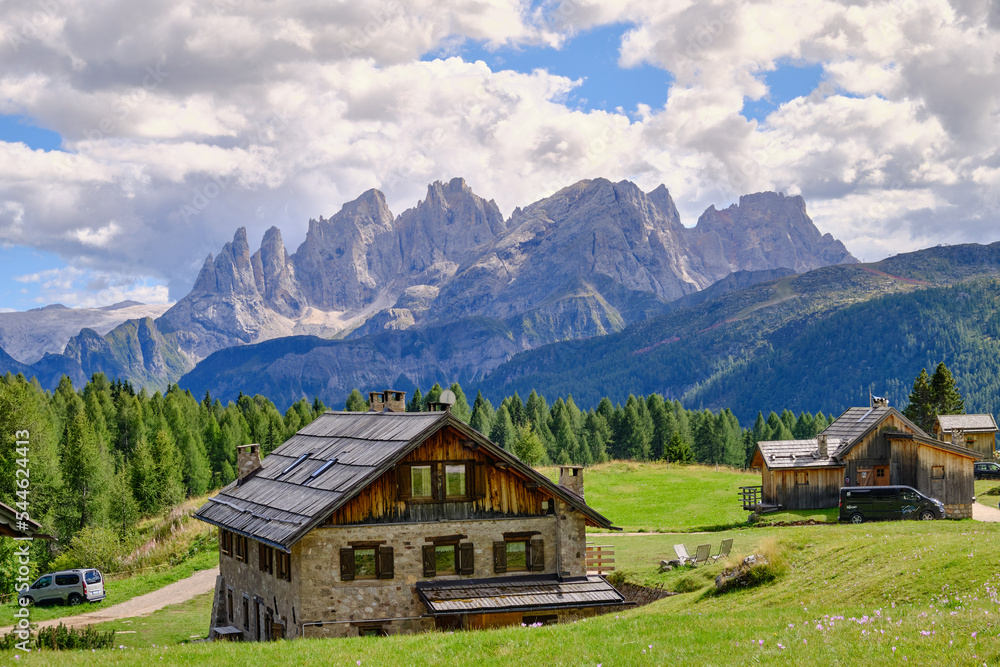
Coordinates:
column 295, row 463
column 319, row 471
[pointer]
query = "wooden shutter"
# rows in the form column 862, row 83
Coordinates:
column 437, row 488
column 403, row 491
column 386, row 565
column 477, row 480
column 430, row 560
column 500, row 557
column 263, row 558
column 466, row 558
column 347, row 564
column 536, row 555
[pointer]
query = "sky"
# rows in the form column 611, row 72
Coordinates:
column 135, row 138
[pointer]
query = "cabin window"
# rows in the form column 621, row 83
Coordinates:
column 366, row 560
column 937, row 472
column 454, row 480
column 266, row 554
column 283, row 564
column 226, row 542
column 421, row 482
column 519, row 552
column 441, row 481
column 448, row 556
column 801, row 479
column 372, row 630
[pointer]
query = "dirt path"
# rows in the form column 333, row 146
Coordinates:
column 200, row 582
column 981, row 512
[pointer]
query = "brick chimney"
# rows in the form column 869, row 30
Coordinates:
column 247, row 462
column 824, row 452
column 375, row 401
column 571, row 479
column 958, row 437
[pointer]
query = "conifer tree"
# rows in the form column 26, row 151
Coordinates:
column 503, row 431
column 947, row 400
column 461, row 407
column 528, row 446
column 921, row 410
column 416, row 403
column 482, row 415
column 355, row 402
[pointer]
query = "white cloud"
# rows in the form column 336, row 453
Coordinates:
column 187, row 119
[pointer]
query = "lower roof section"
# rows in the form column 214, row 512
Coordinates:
column 506, row 594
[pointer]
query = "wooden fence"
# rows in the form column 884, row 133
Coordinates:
column 600, row 558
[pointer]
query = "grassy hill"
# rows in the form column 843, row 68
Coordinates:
column 917, row 593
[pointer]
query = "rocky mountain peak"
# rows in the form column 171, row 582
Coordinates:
column 665, row 203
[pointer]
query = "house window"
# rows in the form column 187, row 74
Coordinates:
column 372, row 630
column 226, row 542
column 367, row 560
column 246, row 612
column 283, row 565
column 519, row 552
column 441, row 481
column 880, row 472
column 240, row 547
column 937, row 472
column 454, row 475
column 421, row 482
column 229, row 603
column 801, row 479
column 448, row 555
column 266, row 558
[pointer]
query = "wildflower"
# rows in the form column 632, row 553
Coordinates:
column 973, row 634
column 761, row 642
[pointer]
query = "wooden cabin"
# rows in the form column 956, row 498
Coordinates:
column 978, row 432
column 874, row 446
column 391, row 522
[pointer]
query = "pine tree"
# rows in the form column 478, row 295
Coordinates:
column 355, row 403
column 482, row 415
column 528, row 446
column 597, row 433
column 947, row 400
column 921, row 410
column 503, row 431
column 679, row 451
column 416, row 403
column 461, row 408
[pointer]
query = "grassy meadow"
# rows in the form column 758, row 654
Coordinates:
column 915, row 593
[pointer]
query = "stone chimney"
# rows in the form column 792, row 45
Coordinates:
column 389, row 400
column 824, row 452
column 571, row 479
column 247, row 462
column 958, row 437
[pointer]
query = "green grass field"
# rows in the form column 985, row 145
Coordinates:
column 913, row 593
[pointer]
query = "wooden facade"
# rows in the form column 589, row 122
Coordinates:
column 813, row 488
column 504, row 492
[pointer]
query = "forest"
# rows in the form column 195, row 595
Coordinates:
column 104, row 456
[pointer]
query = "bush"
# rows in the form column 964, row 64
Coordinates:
column 995, row 491
column 92, row 547
column 62, row 638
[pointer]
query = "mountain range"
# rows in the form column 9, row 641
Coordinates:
column 447, row 289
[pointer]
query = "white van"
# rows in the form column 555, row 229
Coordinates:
column 67, row 587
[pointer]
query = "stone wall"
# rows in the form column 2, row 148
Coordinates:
column 958, row 511
column 338, row 604
column 280, row 597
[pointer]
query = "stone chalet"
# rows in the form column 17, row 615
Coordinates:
column 977, row 432
column 873, row 446
column 387, row 522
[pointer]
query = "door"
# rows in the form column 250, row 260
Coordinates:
column 881, row 475
column 866, row 477
column 937, row 483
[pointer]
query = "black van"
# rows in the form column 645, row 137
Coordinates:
column 868, row 503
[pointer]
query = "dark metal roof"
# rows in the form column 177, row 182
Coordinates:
column 278, row 507
column 529, row 593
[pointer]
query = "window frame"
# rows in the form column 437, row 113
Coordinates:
column 246, row 612
column 464, row 555
column 226, row 542
column 801, row 478
column 474, row 477
column 240, row 548
column 283, row 565
column 265, row 554
column 935, row 470
column 385, row 564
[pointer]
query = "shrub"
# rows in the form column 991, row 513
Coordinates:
column 92, row 547
column 61, row 638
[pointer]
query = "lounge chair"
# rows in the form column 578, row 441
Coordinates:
column 703, row 554
column 682, row 554
column 724, row 549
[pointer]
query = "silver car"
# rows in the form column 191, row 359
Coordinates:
column 67, row 587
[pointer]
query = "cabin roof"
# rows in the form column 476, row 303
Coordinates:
column 528, row 593
column 967, row 423
column 297, row 486
column 796, row 454
column 856, row 423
